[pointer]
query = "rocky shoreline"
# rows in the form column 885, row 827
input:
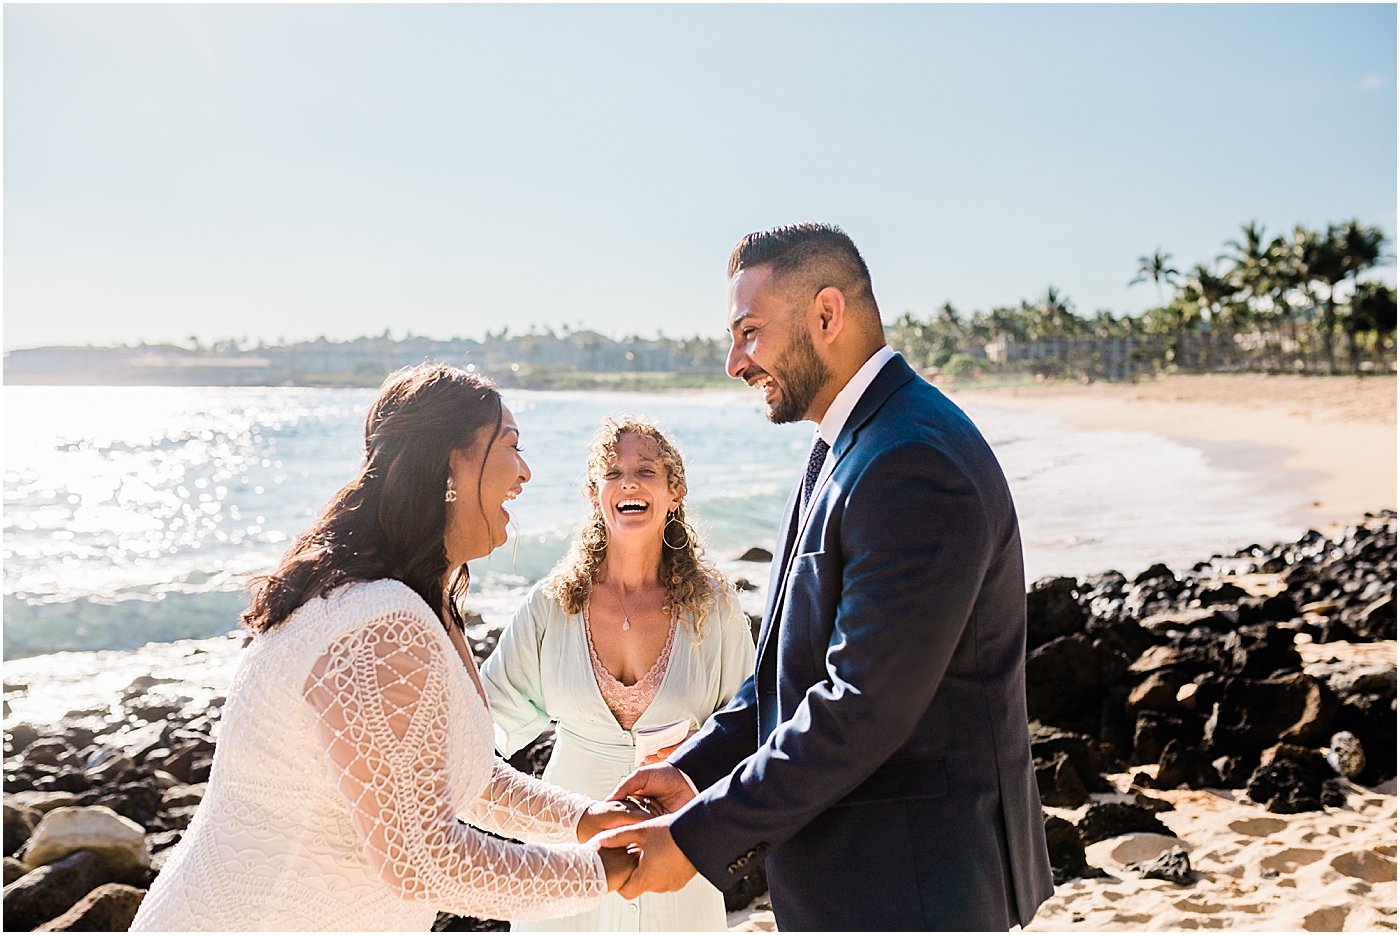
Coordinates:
column 1201, row 678
column 1164, row 683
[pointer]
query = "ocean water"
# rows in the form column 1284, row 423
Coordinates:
column 133, row 515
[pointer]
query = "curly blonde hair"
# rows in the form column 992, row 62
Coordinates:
column 692, row 584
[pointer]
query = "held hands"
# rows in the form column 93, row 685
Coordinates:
column 618, row 865
column 661, row 783
column 661, row 868
column 604, row 816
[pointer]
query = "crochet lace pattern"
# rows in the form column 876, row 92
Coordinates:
column 352, row 741
column 629, row 702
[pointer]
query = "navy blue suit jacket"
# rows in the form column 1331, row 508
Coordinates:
column 878, row 762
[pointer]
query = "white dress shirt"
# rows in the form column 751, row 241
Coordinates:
column 840, row 409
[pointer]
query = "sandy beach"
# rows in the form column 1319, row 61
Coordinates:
column 1326, row 871
column 1338, row 431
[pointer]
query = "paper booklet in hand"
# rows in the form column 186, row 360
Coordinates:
column 654, row 739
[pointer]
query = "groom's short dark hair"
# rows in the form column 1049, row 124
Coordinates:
column 823, row 250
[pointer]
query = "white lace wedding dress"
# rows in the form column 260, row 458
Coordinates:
column 352, row 738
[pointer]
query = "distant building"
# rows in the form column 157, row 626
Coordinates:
column 362, row 362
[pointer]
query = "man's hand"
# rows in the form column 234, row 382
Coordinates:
column 604, row 816
column 618, row 865
column 662, row 783
column 663, row 867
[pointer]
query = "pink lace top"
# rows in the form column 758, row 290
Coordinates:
column 629, row 702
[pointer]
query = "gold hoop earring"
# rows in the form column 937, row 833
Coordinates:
column 451, row 495
column 689, row 536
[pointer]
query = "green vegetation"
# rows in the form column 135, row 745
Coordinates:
column 1293, row 303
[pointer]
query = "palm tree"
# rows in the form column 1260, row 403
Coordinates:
column 913, row 338
column 1249, row 260
column 1249, row 274
column 1360, row 249
column 1329, row 267
column 1007, row 322
column 1210, row 293
column 1292, row 266
column 948, row 328
column 1156, row 268
column 1372, row 310
column 1051, row 314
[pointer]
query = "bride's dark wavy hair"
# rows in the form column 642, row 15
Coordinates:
column 390, row 521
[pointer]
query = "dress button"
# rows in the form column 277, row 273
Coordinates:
column 632, row 906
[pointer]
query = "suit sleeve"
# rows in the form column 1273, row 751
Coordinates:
column 914, row 545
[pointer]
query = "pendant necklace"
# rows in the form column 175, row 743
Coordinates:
column 626, row 613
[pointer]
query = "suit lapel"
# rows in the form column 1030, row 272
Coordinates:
column 782, row 557
column 895, row 374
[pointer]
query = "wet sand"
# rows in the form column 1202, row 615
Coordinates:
column 1336, row 434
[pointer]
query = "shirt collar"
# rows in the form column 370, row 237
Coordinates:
column 840, row 409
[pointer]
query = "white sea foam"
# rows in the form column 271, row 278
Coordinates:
column 133, row 514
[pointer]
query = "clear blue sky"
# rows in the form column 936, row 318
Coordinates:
column 287, row 171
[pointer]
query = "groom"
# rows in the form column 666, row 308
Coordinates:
column 878, row 762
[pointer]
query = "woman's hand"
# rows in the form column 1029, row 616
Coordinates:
column 604, row 816
column 665, row 752
column 618, row 865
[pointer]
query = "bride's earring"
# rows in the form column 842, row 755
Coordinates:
column 451, row 495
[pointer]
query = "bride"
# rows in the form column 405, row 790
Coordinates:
column 356, row 731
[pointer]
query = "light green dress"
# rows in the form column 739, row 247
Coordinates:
column 541, row 672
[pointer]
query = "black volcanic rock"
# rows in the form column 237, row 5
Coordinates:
column 1066, row 851
column 1052, row 610
column 1377, row 620
column 1109, row 819
column 1155, row 730
column 1254, row 714
column 50, row 891
column 1226, row 593
column 1060, row 676
column 1082, row 750
column 1173, row 866
column 1255, row 651
column 1182, row 765
column 1286, row 786
column 1059, row 782
column 19, row 825
column 1371, row 719
column 532, row 758
column 1155, row 574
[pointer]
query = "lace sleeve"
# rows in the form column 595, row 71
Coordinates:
column 380, row 693
column 523, row 807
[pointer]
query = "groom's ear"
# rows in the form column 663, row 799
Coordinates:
column 830, row 305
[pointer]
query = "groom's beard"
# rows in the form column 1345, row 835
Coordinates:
column 800, row 374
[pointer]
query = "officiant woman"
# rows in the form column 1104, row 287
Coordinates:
column 632, row 630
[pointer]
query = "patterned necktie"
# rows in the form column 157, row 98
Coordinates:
column 814, row 467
